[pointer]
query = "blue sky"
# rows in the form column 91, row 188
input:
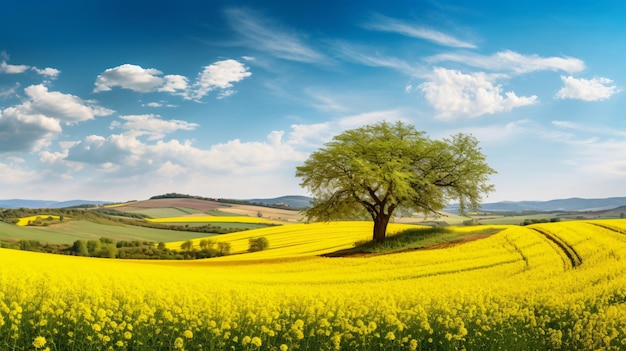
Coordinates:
column 120, row 100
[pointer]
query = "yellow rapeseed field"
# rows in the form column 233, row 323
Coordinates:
column 557, row 286
column 297, row 239
column 25, row 220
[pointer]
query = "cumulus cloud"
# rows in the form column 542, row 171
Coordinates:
column 259, row 33
column 112, row 150
column 17, row 69
column 34, row 123
column 26, row 131
column 48, row 72
column 387, row 24
column 63, row 107
column 130, row 77
column 512, row 61
column 12, row 69
column 125, row 154
column 152, row 125
column 175, row 84
column 456, row 94
column 218, row 76
column 595, row 89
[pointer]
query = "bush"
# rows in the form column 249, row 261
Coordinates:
column 258, row 244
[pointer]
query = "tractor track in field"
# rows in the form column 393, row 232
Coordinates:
column 574, row 258
column 613, row 229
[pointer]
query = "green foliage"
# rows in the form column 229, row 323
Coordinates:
column 223, row 248
column 529, row 221
column 108, row 248
column 471, row 221
column 258, row 244
column 80, row 248
column 376, row 169
column 187, row 245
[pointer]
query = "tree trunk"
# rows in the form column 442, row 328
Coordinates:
column 380, row 227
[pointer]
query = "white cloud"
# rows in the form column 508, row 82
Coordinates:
column 8, row 92
column 12, row 69
column 48, row 72
column 13, row 176
column 64, row 107
column 110, row 152
column 455, row 94
column 152, row 125
column 386, row 24
column 512, row 61
column 261, row 34
column 130, row 77
column 26, row 131
column 595, row 89
column 175, row 84
column 34, row 123
column 220, row 75
column 123, row 154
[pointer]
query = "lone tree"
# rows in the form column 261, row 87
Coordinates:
column 380, row 168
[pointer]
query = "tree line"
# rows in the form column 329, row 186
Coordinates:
column 122, row 249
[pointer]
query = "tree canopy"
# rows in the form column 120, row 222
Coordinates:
column 378, row 169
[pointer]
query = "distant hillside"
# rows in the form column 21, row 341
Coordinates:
column 20, row 203
column 291, row 201
column 572, row 204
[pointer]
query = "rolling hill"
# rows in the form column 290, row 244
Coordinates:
column 571, row 204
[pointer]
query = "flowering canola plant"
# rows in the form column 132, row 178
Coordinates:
column 515, row 290
column 24, row 221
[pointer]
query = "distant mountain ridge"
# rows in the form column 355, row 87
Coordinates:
column 21, row 203
column 292, row 201
column 571, row 204
column 298, row 201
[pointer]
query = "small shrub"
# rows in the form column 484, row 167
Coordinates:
column 258, row 244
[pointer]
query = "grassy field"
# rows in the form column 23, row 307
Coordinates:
column 516, row 220
column 67, row 233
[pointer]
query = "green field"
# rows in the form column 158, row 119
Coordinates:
column 69, row 232
column 516, row 220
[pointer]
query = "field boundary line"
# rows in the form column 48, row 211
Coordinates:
column 574, row 258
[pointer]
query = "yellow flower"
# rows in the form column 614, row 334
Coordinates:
column 188, row 334
column 128, row 335
column 283, row 347
column 256, row 341
column 39, row 342
column 120, row 343
column 246, row 340
column 178, row 343
column 413, row 345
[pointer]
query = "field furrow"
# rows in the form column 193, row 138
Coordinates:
column 573, row 258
